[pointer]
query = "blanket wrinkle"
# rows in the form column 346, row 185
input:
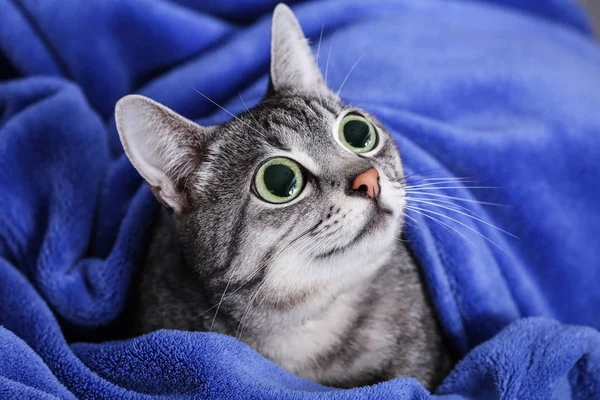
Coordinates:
column 504, row 92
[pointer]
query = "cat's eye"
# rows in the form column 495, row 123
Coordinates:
column 279, row 180
column 357, row 134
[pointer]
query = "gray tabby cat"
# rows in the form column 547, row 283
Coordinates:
column 283, row 229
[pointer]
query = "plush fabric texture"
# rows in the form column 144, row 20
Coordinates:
column 506, row 92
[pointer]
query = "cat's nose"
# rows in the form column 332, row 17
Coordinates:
column 368, row 183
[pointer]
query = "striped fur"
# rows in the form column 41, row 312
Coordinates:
column 320, row 285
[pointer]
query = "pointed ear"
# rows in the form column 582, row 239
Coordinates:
column 162, row 145
column 292, row 63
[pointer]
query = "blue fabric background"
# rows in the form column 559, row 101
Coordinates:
column 506, row 92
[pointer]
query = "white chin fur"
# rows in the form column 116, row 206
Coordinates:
column 299, row 270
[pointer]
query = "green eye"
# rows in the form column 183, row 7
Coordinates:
column 357, row 134
column 279, row 180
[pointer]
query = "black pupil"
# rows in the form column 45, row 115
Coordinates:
column 357, row 133
column 280, row 180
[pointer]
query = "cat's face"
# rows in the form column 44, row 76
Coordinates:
column 301, row 192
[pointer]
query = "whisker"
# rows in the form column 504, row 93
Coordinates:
column 319, row 248
column 447, row 179
column 449, row 203
column 415, row 184
column 220, row 302
column 463, row 224
column 348, row 74
column 486, row 203
column 416, row 173
column 241, row 325
column 300, row 253
column 409, row 188
column 227, row 111
column 414, row 220
column 249, row 279
column 298, row 250
column 319, row 45
column 465, row 214
column 251, row 116
column 263, row 267
column 260, row 287
column 328, row 56
column 232, row 274
column 443, row 224
column 429, row 184
column 429, row 180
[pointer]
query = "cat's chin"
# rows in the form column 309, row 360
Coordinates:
column 340, row 264
column 379, row 225
column 375, row 240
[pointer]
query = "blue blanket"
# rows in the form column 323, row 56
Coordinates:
column 504, row 92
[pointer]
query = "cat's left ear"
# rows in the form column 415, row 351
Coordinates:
column 292, row 64
column 163, row 146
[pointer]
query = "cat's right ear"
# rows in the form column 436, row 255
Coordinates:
column 162, row 145
column 293, row 66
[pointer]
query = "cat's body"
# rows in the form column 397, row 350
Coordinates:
column 284, row 230
column 377, row 329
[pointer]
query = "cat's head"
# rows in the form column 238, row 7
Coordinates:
column 301, row 192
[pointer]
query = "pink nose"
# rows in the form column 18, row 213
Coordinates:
column 367, row 182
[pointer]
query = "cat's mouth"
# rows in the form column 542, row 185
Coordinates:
column 379, row 215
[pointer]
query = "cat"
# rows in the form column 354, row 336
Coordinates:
column 281, row 227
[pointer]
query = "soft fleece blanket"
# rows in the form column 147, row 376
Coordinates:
column 506, row 92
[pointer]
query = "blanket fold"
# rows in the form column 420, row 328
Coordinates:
column 502, row 93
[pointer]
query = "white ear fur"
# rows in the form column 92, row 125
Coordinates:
column 292, row 63
column 159, row 144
